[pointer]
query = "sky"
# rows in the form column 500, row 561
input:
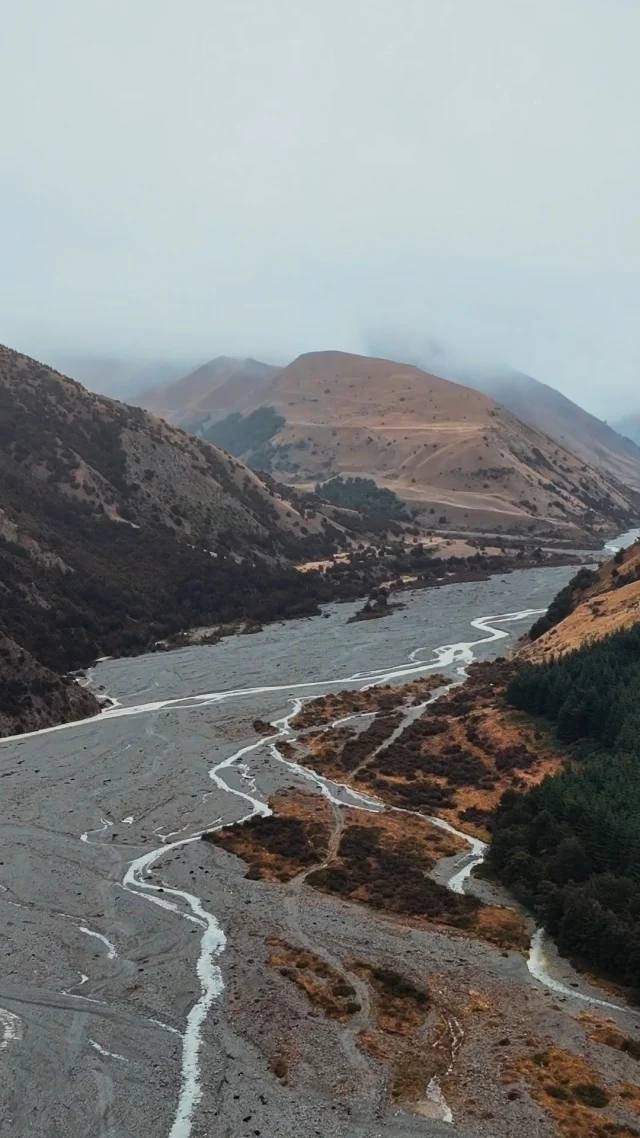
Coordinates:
column 269, row 177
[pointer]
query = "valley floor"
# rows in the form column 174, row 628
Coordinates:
column 148, row 986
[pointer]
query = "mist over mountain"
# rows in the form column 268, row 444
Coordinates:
column 118, row 376
column 538, row 404
column 629, row 426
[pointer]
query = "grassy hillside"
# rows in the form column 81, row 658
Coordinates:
column 456, row 452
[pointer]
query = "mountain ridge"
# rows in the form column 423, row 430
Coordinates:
column 117, row 529
column 221, row 385
column 544, row 407
column 432, row 441
column 489, row 466
column 32, row 696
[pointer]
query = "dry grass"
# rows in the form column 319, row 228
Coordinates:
column 325, row 709
column 572, row 1093
column 606, row 1031
column 384, row 860
column 413, row 1062
column 459, row 757
column 501, row 926
column 277, row 848
column 324, row 986
column 401, row 1008
column 591, row 620
column 604, row 608
column 428, row 840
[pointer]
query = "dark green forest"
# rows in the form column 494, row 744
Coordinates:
column 563, row 603
column 247, row 435
column 570, row 848
column 361, row 494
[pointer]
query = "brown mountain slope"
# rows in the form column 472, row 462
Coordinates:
column 536, row 403
column 117, row 528
column 32, row 697
column 435, row 442
column 123, row 463
column 566, row 422
column 608, row 603
column 211, row 391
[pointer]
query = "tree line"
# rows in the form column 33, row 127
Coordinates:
column 570, row 847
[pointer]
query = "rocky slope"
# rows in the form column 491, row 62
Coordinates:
column 32, row 697
column 456, row 452
column 117, row 529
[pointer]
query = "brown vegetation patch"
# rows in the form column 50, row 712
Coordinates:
column 401, row 1007
column 325, row 709
column 606, row 1031
column 413, row 1061
column 420, row 1043
column 277, row 848
column 324, row 986
column 460, row 755
column 261, row 727
column 384, row 861
column 568, row 1090
column 325, row 749
column 341, row 751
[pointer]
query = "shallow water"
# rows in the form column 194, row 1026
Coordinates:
column 623, row 541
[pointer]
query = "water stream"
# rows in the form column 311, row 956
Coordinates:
column 191, row 907
column 313, row 657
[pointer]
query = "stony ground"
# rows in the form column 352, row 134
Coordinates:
column 114, row 1021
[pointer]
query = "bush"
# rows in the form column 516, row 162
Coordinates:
column 589, row 1094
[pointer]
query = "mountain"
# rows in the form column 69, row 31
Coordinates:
column 32, row 696
column 210, row 392
column 629, row 426
column 120, row 377
column 117, row 529
column 536, row 403
column 452, row 451
column 566, row 422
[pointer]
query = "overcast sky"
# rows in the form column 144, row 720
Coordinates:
column 275, row 176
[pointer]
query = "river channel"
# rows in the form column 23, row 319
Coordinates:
column 116, row 928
